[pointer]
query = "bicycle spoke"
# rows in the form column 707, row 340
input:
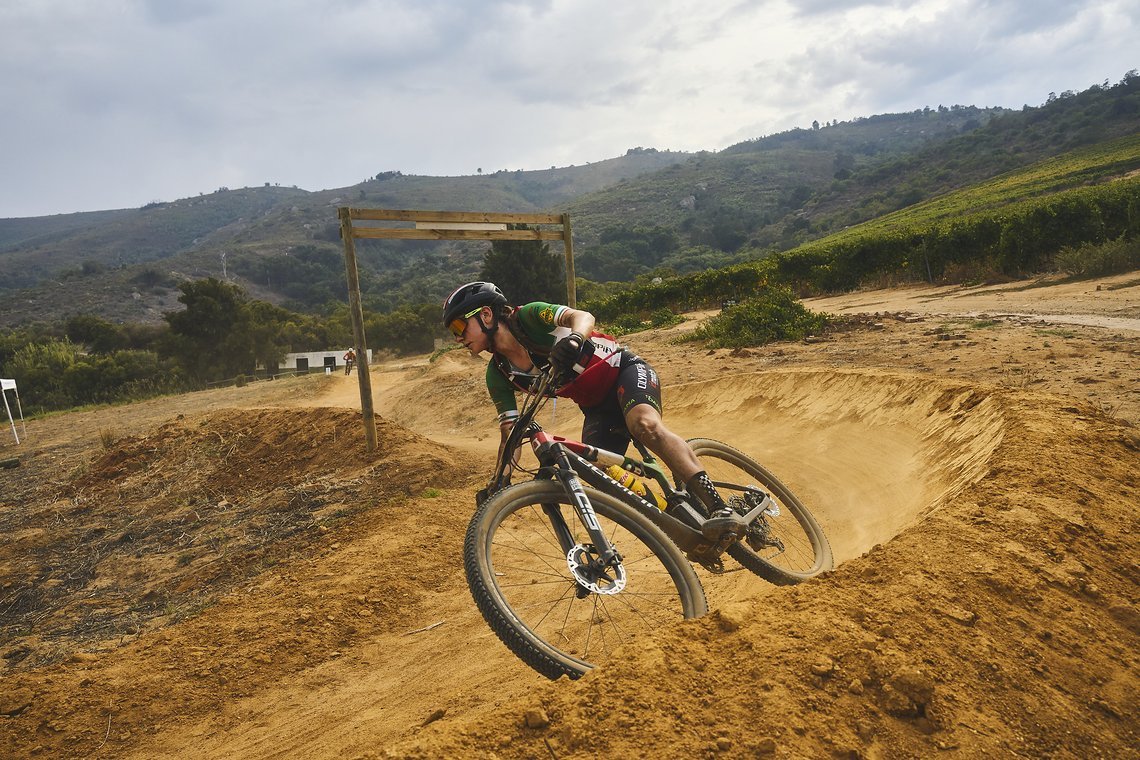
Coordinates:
column 540, row 587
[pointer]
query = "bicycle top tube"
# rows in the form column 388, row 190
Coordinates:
column 541, row 441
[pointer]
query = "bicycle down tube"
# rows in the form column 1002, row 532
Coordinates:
column 577, row 457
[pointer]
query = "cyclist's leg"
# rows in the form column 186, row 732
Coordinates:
column 604, row 427
column 640, row 393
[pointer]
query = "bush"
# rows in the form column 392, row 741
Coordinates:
column 773, row 314
column 628, row 323
column 1093, row 260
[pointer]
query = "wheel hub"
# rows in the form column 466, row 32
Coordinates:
column 590, row 573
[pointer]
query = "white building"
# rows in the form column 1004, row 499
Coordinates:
column 311, row 361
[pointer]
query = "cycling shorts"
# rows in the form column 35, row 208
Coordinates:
column 604, row 425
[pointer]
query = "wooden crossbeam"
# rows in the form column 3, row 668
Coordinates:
column 404, row 233
column 448, row 221
column 404, row 215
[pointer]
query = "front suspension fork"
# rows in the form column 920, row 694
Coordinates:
column 608, row 556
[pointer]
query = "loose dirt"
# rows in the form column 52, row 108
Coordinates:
column 229, row 573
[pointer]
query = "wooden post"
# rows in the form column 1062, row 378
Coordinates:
column 571, row 285
column 356, row 312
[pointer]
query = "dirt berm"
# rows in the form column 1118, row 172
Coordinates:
column 229, row 574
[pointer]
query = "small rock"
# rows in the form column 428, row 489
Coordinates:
column 15, row 701
column 766, row 746
column 962, row 616
column 732, row 616
column 536, row 718
column 723, row 743
column 83, row 657
column 855, row 687
column 907, row 692
column 823, row 666
column 436, row 715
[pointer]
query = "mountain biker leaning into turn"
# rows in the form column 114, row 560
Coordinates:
column 618, row 392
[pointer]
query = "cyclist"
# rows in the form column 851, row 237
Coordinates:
column 618, row 391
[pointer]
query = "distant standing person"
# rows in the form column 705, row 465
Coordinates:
column 349, row 360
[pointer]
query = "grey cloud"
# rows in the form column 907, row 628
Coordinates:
column 166, row 98
column 960, row 56
column 826, row 7
column 178, row 11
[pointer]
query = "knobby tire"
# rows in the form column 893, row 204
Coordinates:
column 807, row 552
column 519, row 578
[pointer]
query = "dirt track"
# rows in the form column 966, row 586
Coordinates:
column 234, row 577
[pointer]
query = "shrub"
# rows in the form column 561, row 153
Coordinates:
column 629, row 323
column 1093, row 260
column 771, row 315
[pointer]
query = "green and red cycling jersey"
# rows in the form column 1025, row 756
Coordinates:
column 538, row 324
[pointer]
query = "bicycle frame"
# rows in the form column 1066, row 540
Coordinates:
column 568, row 460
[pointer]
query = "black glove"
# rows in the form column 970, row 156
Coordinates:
column 565, row 353
column 492, row 488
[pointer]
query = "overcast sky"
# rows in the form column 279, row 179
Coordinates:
column 116, row 103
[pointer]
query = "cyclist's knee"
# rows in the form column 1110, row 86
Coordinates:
column 646, row 426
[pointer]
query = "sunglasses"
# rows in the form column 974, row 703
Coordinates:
column 459, row 324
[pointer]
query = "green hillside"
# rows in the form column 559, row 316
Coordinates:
column 1012, row 225
column 1095, row 164
column 645, row 213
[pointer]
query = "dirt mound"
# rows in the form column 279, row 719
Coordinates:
column 869, row 452
column 161, row 524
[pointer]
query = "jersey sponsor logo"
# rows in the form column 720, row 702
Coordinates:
column 646, row 377
column 547, row 315
column 642, row 377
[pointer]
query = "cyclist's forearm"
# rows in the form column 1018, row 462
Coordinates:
column 504, row 433
column 581, row 322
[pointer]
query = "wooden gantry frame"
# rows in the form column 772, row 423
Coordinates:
column 367, row 223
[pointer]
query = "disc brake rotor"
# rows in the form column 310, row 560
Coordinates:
column 591, row 574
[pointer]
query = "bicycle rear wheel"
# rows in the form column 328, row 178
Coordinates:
column 523, row 583
column 785, row 548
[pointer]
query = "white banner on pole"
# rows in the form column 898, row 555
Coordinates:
column 6, row 385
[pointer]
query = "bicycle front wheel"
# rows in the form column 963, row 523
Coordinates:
column 784, row 548
column 540, row 602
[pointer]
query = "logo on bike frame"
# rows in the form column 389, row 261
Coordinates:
column 584, row 507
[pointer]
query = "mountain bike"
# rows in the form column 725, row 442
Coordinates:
column 579, row 560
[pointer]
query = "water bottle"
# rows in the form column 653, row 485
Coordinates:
column 635, row 484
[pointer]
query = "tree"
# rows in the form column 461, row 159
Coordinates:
column 525, row 270
column 99, row 335
column 221, row 333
